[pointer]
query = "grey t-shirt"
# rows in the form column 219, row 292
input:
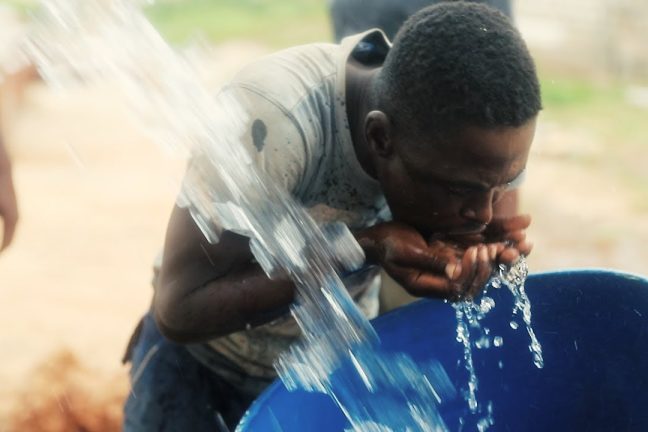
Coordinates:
column 299, row 135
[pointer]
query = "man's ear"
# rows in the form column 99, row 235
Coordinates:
column 378, row 132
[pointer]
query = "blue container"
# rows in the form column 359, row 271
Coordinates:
column 593, row 327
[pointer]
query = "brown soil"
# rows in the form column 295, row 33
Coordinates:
column 63, row 395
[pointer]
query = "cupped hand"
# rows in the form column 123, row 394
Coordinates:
column 509, row 236
column 442, row 268
column 436, row 269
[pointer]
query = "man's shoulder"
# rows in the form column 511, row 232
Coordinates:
column 288, row 76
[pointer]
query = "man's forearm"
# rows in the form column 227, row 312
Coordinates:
column 231, row 303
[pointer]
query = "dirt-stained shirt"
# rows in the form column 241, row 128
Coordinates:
column 299, row 135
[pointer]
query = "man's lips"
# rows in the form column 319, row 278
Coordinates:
column 466, row 231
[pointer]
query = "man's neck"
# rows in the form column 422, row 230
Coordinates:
column 359, row 87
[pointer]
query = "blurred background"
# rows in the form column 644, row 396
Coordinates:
column 95, row 195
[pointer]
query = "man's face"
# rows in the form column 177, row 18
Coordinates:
column 449, row 187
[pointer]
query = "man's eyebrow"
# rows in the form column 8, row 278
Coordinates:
column 469, row 184
column 514, row 182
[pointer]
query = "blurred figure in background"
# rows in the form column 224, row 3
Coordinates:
column 355, row 16
column 8, row 204
column 11, row 84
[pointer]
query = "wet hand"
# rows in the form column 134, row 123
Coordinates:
column 473, row 271
column 509, row 238
column 424, row 269
column 503, row 242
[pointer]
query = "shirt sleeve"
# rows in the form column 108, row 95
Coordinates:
column 272, row 137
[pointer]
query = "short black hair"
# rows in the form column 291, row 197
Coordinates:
column 458, row 64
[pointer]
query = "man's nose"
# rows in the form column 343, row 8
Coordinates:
column 479, row 208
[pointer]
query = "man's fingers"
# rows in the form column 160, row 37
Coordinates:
column 482, row 273
column 423, row 284
column 515, row 223
column 525, row 247
column 517, row 245
column 509, row 256
column 463, row 283
column 441, row 275
column 516, row 236
column 426, row 259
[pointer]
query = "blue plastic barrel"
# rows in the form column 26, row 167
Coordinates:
column 593, row 327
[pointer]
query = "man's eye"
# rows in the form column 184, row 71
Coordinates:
column 459, row 190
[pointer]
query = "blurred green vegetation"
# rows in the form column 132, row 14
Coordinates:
column 602, row 106
column 566, row 93
column 275, row 23
column 602, row 109
column 20, row 5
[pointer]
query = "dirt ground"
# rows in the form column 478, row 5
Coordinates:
column 95, row 197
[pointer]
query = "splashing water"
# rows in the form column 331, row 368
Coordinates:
column 85, row 40
column 469, row 316
column 514, row 279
